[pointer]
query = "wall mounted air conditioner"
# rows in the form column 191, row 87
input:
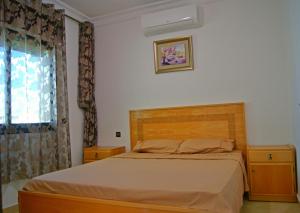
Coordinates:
column 172, row 20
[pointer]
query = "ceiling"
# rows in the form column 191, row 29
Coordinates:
column 94, row 8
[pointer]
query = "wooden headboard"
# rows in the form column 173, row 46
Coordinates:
column 218, row 121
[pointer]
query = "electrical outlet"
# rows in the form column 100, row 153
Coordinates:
column 118, row 134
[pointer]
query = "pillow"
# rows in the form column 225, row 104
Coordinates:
column 157, row 146
column 191, row 146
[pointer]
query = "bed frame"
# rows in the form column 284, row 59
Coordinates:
column 210, row 121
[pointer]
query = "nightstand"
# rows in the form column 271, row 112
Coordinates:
column 271, row 173
column 91, row 154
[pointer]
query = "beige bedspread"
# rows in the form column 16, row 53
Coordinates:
column 214, row 182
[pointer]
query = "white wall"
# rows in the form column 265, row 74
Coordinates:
column 239, row 54
column 9, row 191
column 294, row 29
column 75, row 113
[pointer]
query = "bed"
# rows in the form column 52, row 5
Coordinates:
column 164, row 183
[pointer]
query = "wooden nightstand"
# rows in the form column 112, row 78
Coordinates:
column 271, row 173
column 91, row 154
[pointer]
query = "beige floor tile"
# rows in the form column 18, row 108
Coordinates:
column 270, row 207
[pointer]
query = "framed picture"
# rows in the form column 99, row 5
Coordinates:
column 174, row 54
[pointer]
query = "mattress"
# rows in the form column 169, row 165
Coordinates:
column 214, row 182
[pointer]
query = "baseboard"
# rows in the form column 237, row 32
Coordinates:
column 12, row 209
column 298, row 197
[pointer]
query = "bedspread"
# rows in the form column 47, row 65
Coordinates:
column 214, row 182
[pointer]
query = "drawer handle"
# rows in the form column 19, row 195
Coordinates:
column 270, row 157
column 96, row 155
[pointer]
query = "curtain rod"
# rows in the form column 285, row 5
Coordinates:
column 74, row 19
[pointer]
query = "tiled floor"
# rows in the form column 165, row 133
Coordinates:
column 12, row 209
column 270, row 207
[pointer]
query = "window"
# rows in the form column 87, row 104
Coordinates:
column 27, row 80
column 2, row 86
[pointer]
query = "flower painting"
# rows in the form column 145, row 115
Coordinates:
column 173, row 54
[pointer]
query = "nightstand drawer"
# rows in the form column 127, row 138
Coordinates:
column 270, row 156
column 90, row 156
column 97, row 153
column 102, row 155
column 93, row 155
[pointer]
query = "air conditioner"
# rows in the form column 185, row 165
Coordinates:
column 172, row 20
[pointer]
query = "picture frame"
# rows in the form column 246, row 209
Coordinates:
column 174, row 54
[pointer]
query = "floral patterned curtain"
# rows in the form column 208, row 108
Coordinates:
column 34, row 123
column 86, row 83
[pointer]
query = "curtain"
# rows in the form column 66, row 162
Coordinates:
column 86, row 83
column 34, row 123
